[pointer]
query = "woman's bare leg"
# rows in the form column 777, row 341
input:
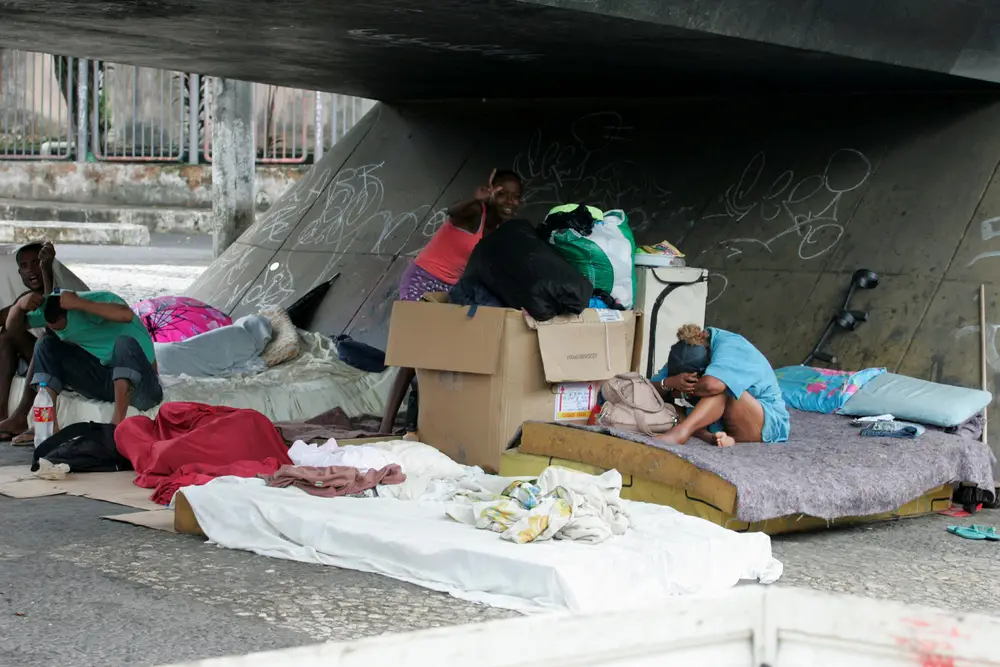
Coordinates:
column 743, row 419
column 399, row 387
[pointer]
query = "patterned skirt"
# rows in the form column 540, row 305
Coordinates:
column 416, row 282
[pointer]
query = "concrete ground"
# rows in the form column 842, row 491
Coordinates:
column 78, row 590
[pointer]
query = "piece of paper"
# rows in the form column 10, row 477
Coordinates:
column 575, row 400
column 609, row 315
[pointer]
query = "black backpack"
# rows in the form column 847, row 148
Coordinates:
column 84, row 447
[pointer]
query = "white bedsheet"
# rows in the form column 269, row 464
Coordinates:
column 665, row 553
column 310, row 384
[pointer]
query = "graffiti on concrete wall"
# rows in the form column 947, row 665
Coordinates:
column 987, row 231
column 272, row 289
column 583, row 167
column 275, row 225
column 351, row 205
column 229, row 276
column 582, row 164
column 806, row 209
column 803, row 210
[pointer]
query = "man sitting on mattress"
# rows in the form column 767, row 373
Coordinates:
column 34, row 266
column 100, row 348
column 731, row 385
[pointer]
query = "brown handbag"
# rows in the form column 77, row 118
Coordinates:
column 632, row 403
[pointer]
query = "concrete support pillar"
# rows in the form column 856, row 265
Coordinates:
column 82, row 104
column 233, row 155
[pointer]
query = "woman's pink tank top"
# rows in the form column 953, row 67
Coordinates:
column 448, row 252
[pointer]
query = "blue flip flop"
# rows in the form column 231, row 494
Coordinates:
column 975, row 532
column 988, row 532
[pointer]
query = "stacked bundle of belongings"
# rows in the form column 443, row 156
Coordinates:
column 538, row 318
column 600, row 246
column 514, row 268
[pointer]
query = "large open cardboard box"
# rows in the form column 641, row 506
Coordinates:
column 484, row 371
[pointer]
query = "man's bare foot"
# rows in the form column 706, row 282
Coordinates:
column 722, row 439
column 14, row 425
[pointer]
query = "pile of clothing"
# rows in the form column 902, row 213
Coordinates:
column 561, row 504
column 190, row 444
column 600, row 246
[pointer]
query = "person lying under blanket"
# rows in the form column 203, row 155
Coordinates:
column 100, row 349
column 731, row 386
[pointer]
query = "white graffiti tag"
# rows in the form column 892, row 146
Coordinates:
column 987, row 231
column 808, row 207
column 352, row 204
column 581, row 168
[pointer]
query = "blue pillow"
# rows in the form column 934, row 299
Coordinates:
column 821, row 389
column 917, row 400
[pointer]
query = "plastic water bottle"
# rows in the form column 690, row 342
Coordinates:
column 43, row 414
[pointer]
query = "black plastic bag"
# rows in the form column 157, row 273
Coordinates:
column 362, row 356
column 523, row 271
column 579, row 220
column 84, row 447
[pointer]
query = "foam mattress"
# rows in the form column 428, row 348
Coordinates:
column 312, row 383
column 826, row 470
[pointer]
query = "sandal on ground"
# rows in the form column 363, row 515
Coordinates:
column 988, row 532
column 25, row 439
column 975, row 532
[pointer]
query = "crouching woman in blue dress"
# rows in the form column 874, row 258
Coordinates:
column 731, row 386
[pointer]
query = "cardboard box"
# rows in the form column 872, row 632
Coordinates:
column 484, row 371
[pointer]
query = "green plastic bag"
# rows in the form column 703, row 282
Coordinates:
column 605, row 256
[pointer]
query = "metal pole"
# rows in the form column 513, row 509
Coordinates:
column 318, row 150
column 83, row 99
column 95, row 117
column 982, row 352
column 194, row 103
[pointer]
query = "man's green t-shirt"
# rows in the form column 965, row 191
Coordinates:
column 95, row 334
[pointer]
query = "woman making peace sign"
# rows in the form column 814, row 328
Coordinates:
column 442, row 261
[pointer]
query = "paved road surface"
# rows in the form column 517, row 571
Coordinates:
column 167, row 266
column 78, row 590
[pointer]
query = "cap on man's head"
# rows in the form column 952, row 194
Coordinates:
column 34, row 245
column 687, row 358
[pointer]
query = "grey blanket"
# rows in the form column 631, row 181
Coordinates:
column 828, row 470
column 220, row 352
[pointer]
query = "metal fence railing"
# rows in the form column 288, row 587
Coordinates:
column 282, row 125
column 139, row 114
column 37, row 93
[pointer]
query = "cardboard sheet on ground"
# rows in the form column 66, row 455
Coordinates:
column 664, row 554
column 111, row 487
column 14, row 473
column 156, row 519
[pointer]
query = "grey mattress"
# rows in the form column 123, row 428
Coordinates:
column 828, row 470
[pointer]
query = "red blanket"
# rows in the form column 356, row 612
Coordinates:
column 196, row 474
column 220, row 440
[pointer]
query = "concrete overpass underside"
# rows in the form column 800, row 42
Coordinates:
column 433, row 49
